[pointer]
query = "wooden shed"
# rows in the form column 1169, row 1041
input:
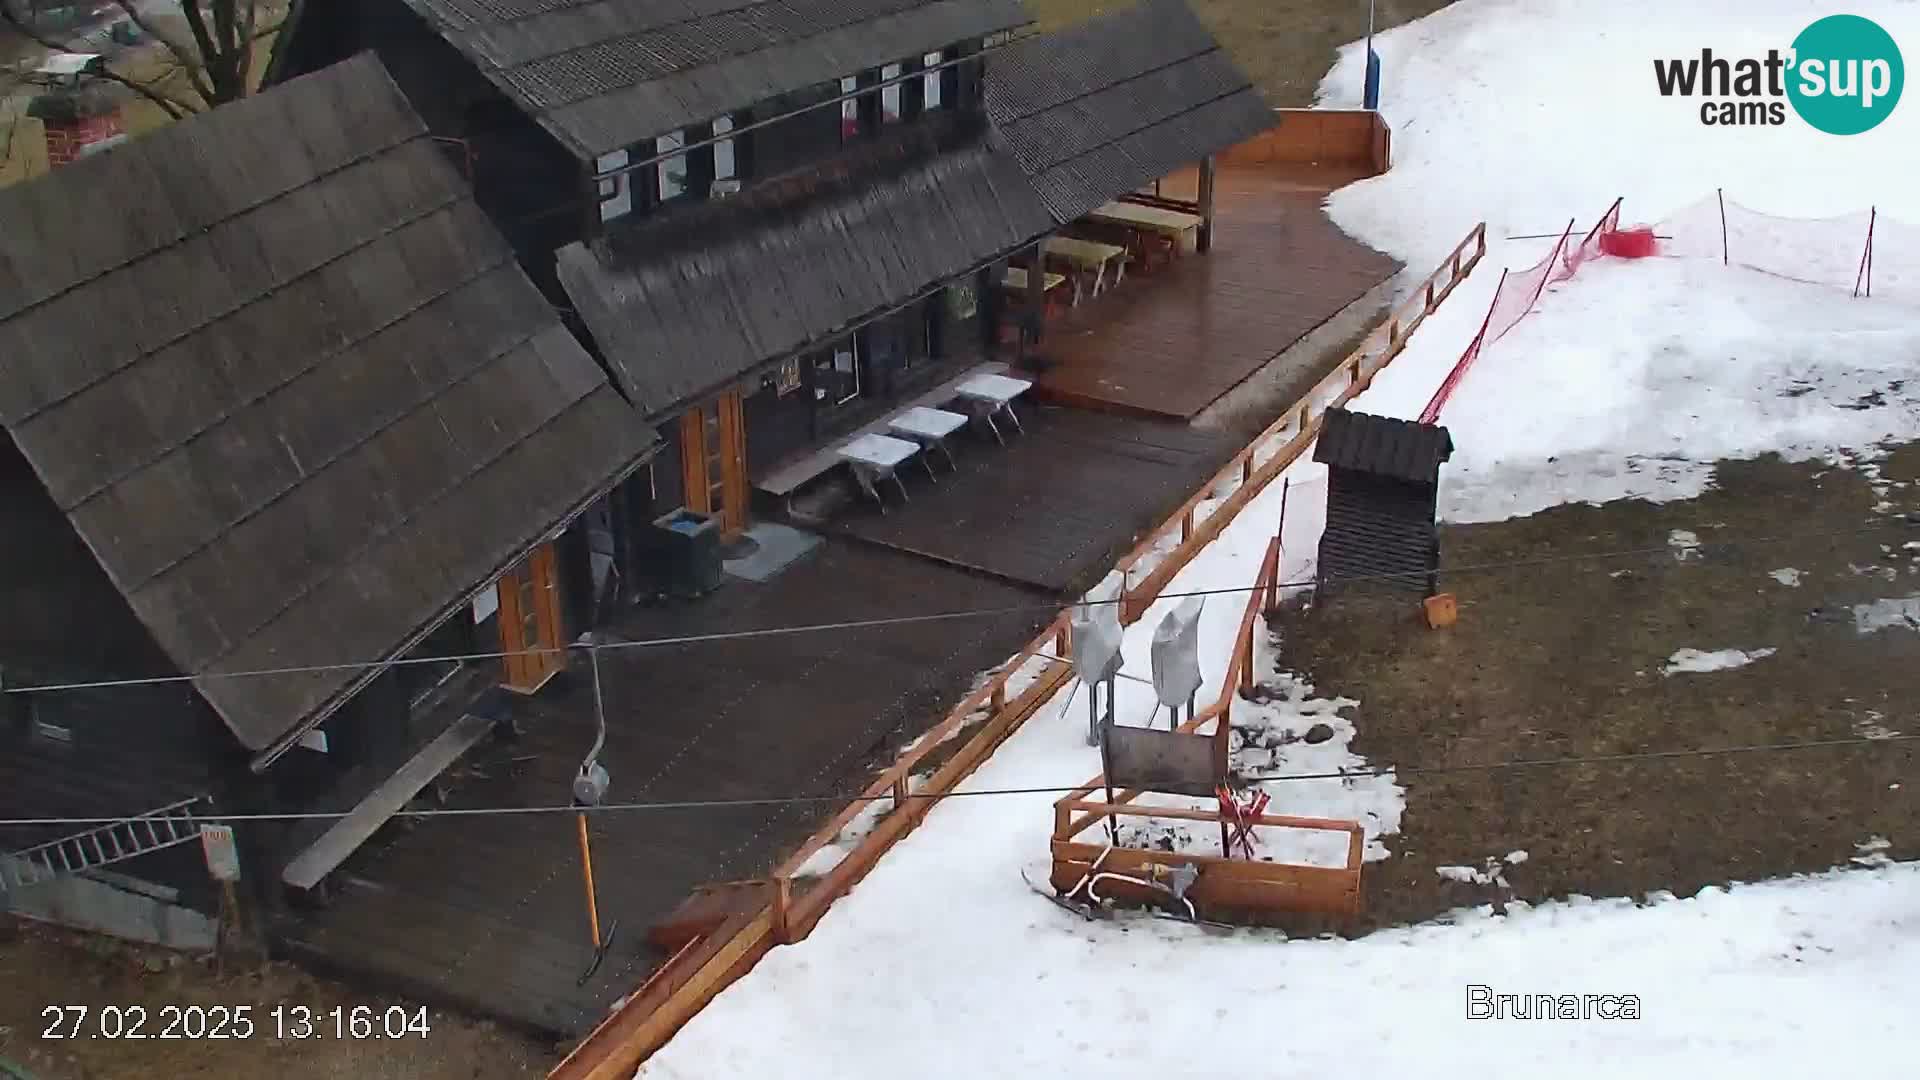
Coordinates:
column 1383, row 485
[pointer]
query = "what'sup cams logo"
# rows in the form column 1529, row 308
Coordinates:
column 1843, row 75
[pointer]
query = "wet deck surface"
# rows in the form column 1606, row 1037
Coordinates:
column 1172, row 343
column 489, row 913
column 1055, row 506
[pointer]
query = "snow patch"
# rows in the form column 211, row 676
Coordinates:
column 1696, row 661
column 1872, row 852
column 1902, row 613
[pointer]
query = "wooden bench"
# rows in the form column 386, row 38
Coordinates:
column 310, row 869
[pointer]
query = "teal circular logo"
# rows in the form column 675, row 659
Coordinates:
column 1846, row 75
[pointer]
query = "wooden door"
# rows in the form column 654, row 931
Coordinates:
column 713, row 456
column 530, row 621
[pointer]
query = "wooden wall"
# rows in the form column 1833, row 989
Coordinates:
column 1347, row 138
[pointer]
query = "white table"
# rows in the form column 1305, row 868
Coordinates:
column 875, row 458
column 929, row 428
column 986, row 395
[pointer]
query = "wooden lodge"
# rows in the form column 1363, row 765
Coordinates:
column 401, row 360
column 773, row 231
column 308, row 416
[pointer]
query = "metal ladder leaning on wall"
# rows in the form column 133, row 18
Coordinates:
column 122, row 840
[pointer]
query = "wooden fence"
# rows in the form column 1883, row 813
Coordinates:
column 1225, row 885
column 786, row 908
column 1347, row 138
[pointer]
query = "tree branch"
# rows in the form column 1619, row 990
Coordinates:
column 179, row 51
column 246, row 43
column 173, row 107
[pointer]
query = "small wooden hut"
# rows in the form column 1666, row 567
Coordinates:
column 1383, row 486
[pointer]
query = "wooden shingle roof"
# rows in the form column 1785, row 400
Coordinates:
column 1383, row 446
column 676, row 323
column 1114, row 103
column 290, row 386
column 602, row 75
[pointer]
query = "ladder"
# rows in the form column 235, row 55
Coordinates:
column 156, row 829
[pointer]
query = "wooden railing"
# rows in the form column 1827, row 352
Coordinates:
column 795, row 904
column 1196, row 527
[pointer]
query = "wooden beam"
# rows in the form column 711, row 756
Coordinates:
column 1206, row 204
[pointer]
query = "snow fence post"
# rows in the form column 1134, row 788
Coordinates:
column 1725, row 256
column 1866, row 256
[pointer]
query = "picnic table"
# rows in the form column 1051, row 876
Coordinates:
column 929, row 428
column 1153, row 219
column 987, row 395
column 876, row 458
column 1014, row 279
column 1091, row 258
column 1158, row 232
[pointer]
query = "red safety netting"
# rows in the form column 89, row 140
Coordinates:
column 1866, row 253
column 1519, row 292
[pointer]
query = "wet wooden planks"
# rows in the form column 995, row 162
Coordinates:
column 1054, row 506
column 1170, row 344
column 489, row 913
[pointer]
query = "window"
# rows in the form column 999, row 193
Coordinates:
column 725, row 165
column 836, row 377
column 849, row 110
column 672, row 170
column 892, row 97
column 788, row 380
column 930, row 83
column 795, row 135
column 616, row 192
column 962, row 302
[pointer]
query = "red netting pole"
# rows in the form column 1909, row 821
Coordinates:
column 1555, row 259
column 1725, row 257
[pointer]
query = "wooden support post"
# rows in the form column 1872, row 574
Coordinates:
column 1037, row 290
column 1186, row 525
column 997, row 700
column 1206, row 204
column 900, row 792
column 782, row 904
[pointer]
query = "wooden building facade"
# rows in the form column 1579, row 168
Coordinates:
column 654, row 136
column 305, row 416
column 773, row 222
column 1383, row 484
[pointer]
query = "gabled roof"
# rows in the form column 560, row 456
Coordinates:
column 676, row 323
column 290, row 386
column 1109, row 105
column 1382, row 446
column 602, row 75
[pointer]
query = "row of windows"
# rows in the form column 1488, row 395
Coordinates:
column 795, row 128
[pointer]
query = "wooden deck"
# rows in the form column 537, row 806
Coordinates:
column 1055, row 506
column 1170, row 344
column 488, row 914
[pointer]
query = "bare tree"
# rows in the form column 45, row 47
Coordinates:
column 215, row 57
